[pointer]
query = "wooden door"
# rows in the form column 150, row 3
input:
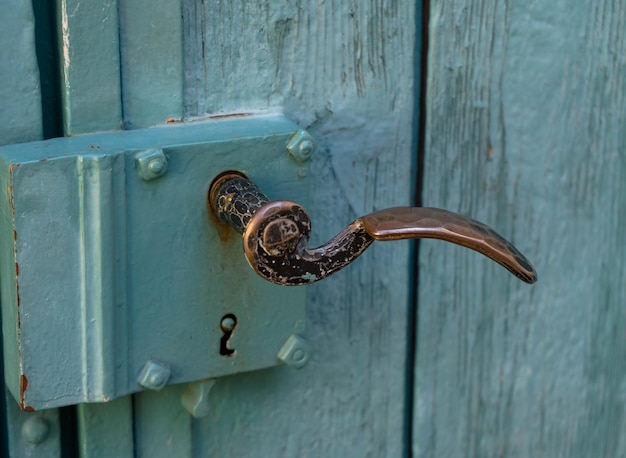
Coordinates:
column 523, row 114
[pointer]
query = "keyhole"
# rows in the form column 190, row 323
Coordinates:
column 228, row 324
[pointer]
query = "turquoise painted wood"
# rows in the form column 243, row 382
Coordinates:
column 356, row 91
column 89, row 65
column 152, row 61
column 525, row 130
column 91, row 100
column 323, row 413
column 105, row 429
column 524, row 109
column 22, row 434
column 346, row 72
column 20, row 94
column 525, row 104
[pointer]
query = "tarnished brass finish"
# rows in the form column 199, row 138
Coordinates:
column 435, row 223
column 276, row 234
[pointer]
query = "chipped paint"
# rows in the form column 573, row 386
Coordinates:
column 309, row 277
column 65, row 32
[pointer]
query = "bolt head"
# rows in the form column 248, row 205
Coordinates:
column 301, row 146
column 156, row 166
column 154, row 375
column 157, row 379
column 306, row 148
column 35, row 430
column 151, row 163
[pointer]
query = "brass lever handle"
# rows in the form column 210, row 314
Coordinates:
column 276, row 234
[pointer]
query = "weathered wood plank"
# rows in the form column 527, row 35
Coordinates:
column 20, row 95
column 22, row 434
column 162, row 425
column 91, row 99
column 344, row 71
column 525, row 130
column 88, row 36
column 152, row 62
column 106, row 430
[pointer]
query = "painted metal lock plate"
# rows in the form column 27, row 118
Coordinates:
column 112, row 263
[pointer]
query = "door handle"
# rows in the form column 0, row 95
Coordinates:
column 276, row 234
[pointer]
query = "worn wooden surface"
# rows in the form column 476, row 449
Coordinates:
column 526, row 111
column 344, row 71
column 20, row 121
column 20, row 95
column 106, row 429
column 91, row 100
column 89, row 65
column 151, row 52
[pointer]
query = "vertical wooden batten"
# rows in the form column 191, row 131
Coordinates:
column 152, row 76
column 345, row 71
column 525, row 115
column 152, row 62
column 91, row 100
column 90, row 66
column 21, row 121
column 20, row 92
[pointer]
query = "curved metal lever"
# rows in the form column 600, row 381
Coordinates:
column 276, row 234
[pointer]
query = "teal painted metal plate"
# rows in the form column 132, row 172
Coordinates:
column 102, row 270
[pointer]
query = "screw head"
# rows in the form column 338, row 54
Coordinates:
column 154, row 375
column 157, row 379
column 306, row 148
column 298, row 355
column 151, row 163
column 35, row 430
column 301, row 146
column 156, row 165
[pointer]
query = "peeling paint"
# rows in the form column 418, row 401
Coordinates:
column 65, row 31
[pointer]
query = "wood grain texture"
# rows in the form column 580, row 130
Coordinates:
column 89, row 62
column 525, row 115
column 345, row 72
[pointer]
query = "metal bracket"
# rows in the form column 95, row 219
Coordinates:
column 111, row 262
